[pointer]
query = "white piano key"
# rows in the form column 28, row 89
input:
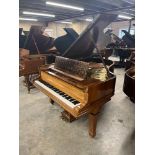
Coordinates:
column 67, row 102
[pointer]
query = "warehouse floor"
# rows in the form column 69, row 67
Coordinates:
column 42, row 132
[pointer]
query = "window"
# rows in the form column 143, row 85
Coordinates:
column 121, row 34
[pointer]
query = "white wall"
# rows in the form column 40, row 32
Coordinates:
column 116, row 26
column 56, row 29
column 27, row 24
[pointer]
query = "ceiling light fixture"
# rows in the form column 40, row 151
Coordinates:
column 132, row 10
column 65, row 22
column 38, row 14
column 127, row 1
column 30, row 19
column 124, row 17
column 89, row 20
column 65, row 6
column 128, row 13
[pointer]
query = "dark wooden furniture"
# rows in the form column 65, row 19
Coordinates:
column 29, row 68
column 130, row 62
column 106, row 53
column 78, row 94
column 123, row 53
column 129, row 84
column 122, row 47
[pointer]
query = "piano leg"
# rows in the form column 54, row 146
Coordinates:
column 29, row 79
column 51, row 101
column 93, row 115
column 92, row 124
column 27, row 83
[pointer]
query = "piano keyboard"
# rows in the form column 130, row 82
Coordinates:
column 59, row 94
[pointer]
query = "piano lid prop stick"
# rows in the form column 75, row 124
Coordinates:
column 98, row 51
column 35, row 44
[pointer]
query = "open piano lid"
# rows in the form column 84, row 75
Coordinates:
column 128, row 39
column 62, row 43
column 83, row 45
column 43, row 42
column 20, row 31
column 71, row 32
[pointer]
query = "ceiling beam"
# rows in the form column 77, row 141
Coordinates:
column 110, row 10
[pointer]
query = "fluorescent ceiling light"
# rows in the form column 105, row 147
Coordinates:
column 31, row 19
column 89, row 20
column 128, row 13
column 65, row 6
column 132, row 10
column 127, row 1
column 38, row 14
column 124, row 17
column 65, row 22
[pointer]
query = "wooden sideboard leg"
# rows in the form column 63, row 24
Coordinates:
column 92, row 124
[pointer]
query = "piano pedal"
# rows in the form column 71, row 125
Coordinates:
column 67, row 116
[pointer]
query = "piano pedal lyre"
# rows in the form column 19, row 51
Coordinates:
column 66, row 116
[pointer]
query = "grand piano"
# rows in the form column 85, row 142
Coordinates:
column 22, row 38
column 63, row 42
column 130, row 62
column 129, row 78
column 80, row 87
column 129, row 83
column 37, row 42
column 122, row 47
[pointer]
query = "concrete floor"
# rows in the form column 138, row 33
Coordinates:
column 42, row 132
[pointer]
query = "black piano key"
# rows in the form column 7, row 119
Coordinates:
column 61, row 93
column 71, row 100
column 65, row 95
column 75, row 102
column 68, row 97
